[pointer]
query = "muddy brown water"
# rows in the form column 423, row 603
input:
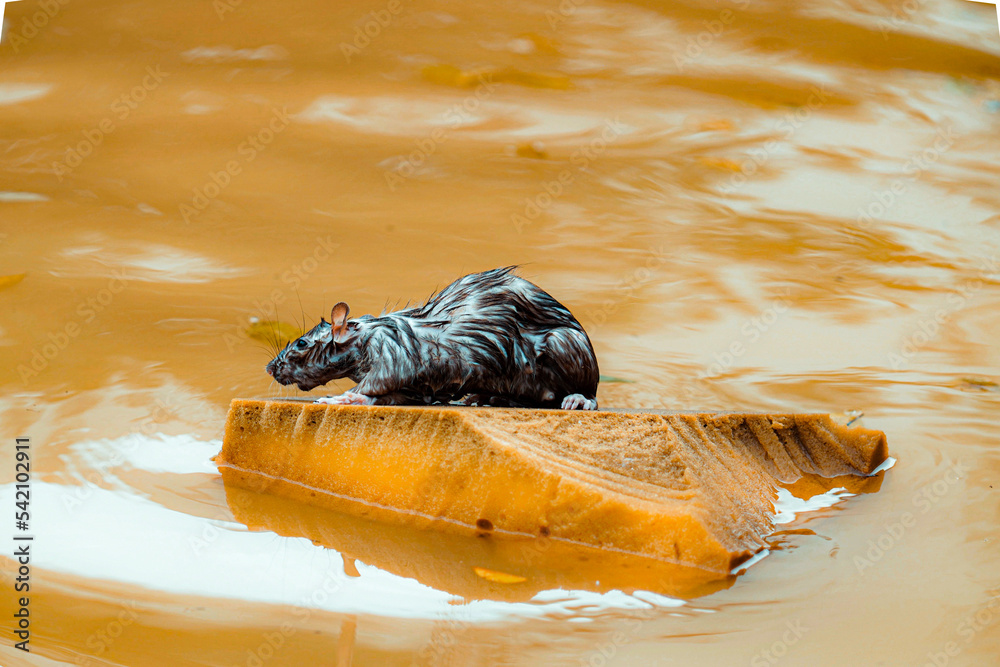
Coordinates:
column 766, row 205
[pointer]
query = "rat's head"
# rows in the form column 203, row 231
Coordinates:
column 328, row 351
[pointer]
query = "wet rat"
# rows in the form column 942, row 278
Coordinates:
column 489, row 338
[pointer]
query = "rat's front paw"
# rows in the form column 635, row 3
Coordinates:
column 347, row 398
column 578, row 402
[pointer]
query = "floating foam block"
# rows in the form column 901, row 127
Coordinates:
column 691, row 489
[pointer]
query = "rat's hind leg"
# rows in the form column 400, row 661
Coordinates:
column 579, row 402
column 566, row 366
column 395, row 399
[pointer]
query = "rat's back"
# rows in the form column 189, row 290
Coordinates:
column 512, row 338
column 498, row 293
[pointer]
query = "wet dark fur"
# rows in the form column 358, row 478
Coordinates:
column 491, row 336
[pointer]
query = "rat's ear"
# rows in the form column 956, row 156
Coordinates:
column 338, row 319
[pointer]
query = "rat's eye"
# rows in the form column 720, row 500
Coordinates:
column 301, row 344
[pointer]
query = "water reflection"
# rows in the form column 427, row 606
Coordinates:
column 449, row 562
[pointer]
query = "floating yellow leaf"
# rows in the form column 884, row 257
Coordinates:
column 533, row 149
column 720, row 163
column 498, row 577
column 10, row 281
column 274, row 332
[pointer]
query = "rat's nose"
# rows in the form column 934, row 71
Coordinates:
column 270, row 368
